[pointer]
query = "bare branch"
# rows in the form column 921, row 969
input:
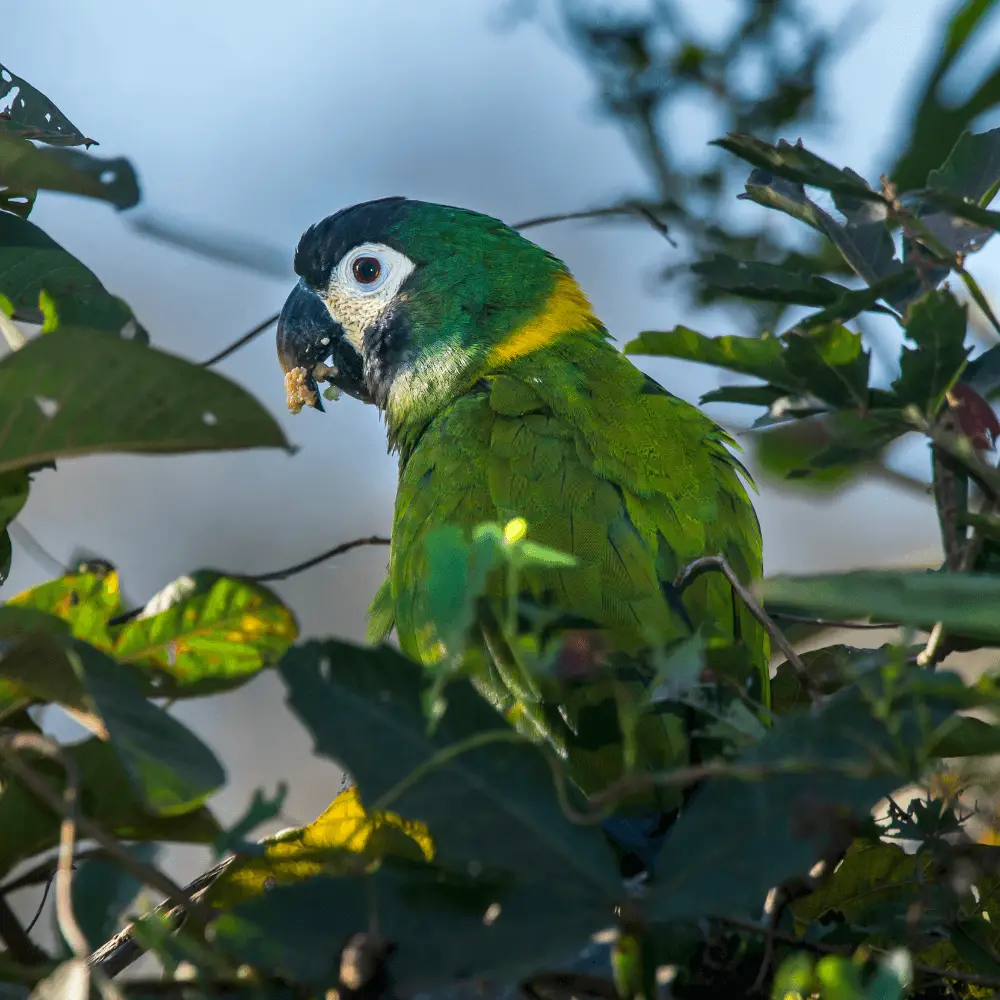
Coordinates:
column 638, row 209
column 20, row 947
column 12, row 742
column 337, row 550
column 242, row 342
column 718, row 564
column 784, row 616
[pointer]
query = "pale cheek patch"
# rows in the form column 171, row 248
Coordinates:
column 354, row 313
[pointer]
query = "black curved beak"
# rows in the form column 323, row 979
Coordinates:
column 308, row 335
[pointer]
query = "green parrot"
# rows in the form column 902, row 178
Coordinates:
column 504, row 397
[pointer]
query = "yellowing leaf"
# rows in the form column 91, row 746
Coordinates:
column 345, row 839
column 210, row 632
column 86, row 600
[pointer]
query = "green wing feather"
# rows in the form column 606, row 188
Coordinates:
column 606, row 465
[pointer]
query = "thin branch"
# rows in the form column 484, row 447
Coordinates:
column 123, row 950
column 242, row 342
column 785, row 616
column 41, row 904
column 277, row 574
column 337, row 550
column 45, row 870
column 12, row 742
column 718, row 564
column 20, row 947
column 644, row 212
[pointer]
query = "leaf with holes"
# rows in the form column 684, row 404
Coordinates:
column 32, row 263
column 485, row 795
column 206, row 633
column 936, row 324
column 31, row 115
column 75, row 393
column 761, row 357
column 25, row 169
column 107, row 798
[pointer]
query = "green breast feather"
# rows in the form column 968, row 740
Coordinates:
column 603, row 464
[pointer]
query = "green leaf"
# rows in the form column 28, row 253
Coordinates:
column 827, row 451
column 983, row 374
column 961, row 208
column 972, row 169
column 896, row 287
column 964, row 736
column 206, row 633
column 103, row 890
column 759, row 280
column 740, row 836
column 831, row 362
column 171, row 768
column 84, row 599
column 31, row 263
column 82, row 392
column 25, row 168
column 761, row 357
column 446, row 927
column 795, row 163
column 13, row 496
column 493, row 803
column 749, row 395
column 107, row 797
column 33, row 116
column 871, row 874
column 965, row 603
column 939, row 120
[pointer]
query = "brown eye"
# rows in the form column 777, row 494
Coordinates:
column 366, row 270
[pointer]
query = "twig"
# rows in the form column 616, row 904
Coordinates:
column 718, row 564
column 630, row 208
column 20, row 947
column 41, row 904
column 277, row 574
column 122, row 950
column 242, row 342
column 45, row 870
column 785, row 616
column 337, row 550
column 12, row 742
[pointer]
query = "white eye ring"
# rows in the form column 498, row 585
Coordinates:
column 365, row 269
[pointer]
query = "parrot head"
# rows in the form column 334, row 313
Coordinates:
column 407, row 304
